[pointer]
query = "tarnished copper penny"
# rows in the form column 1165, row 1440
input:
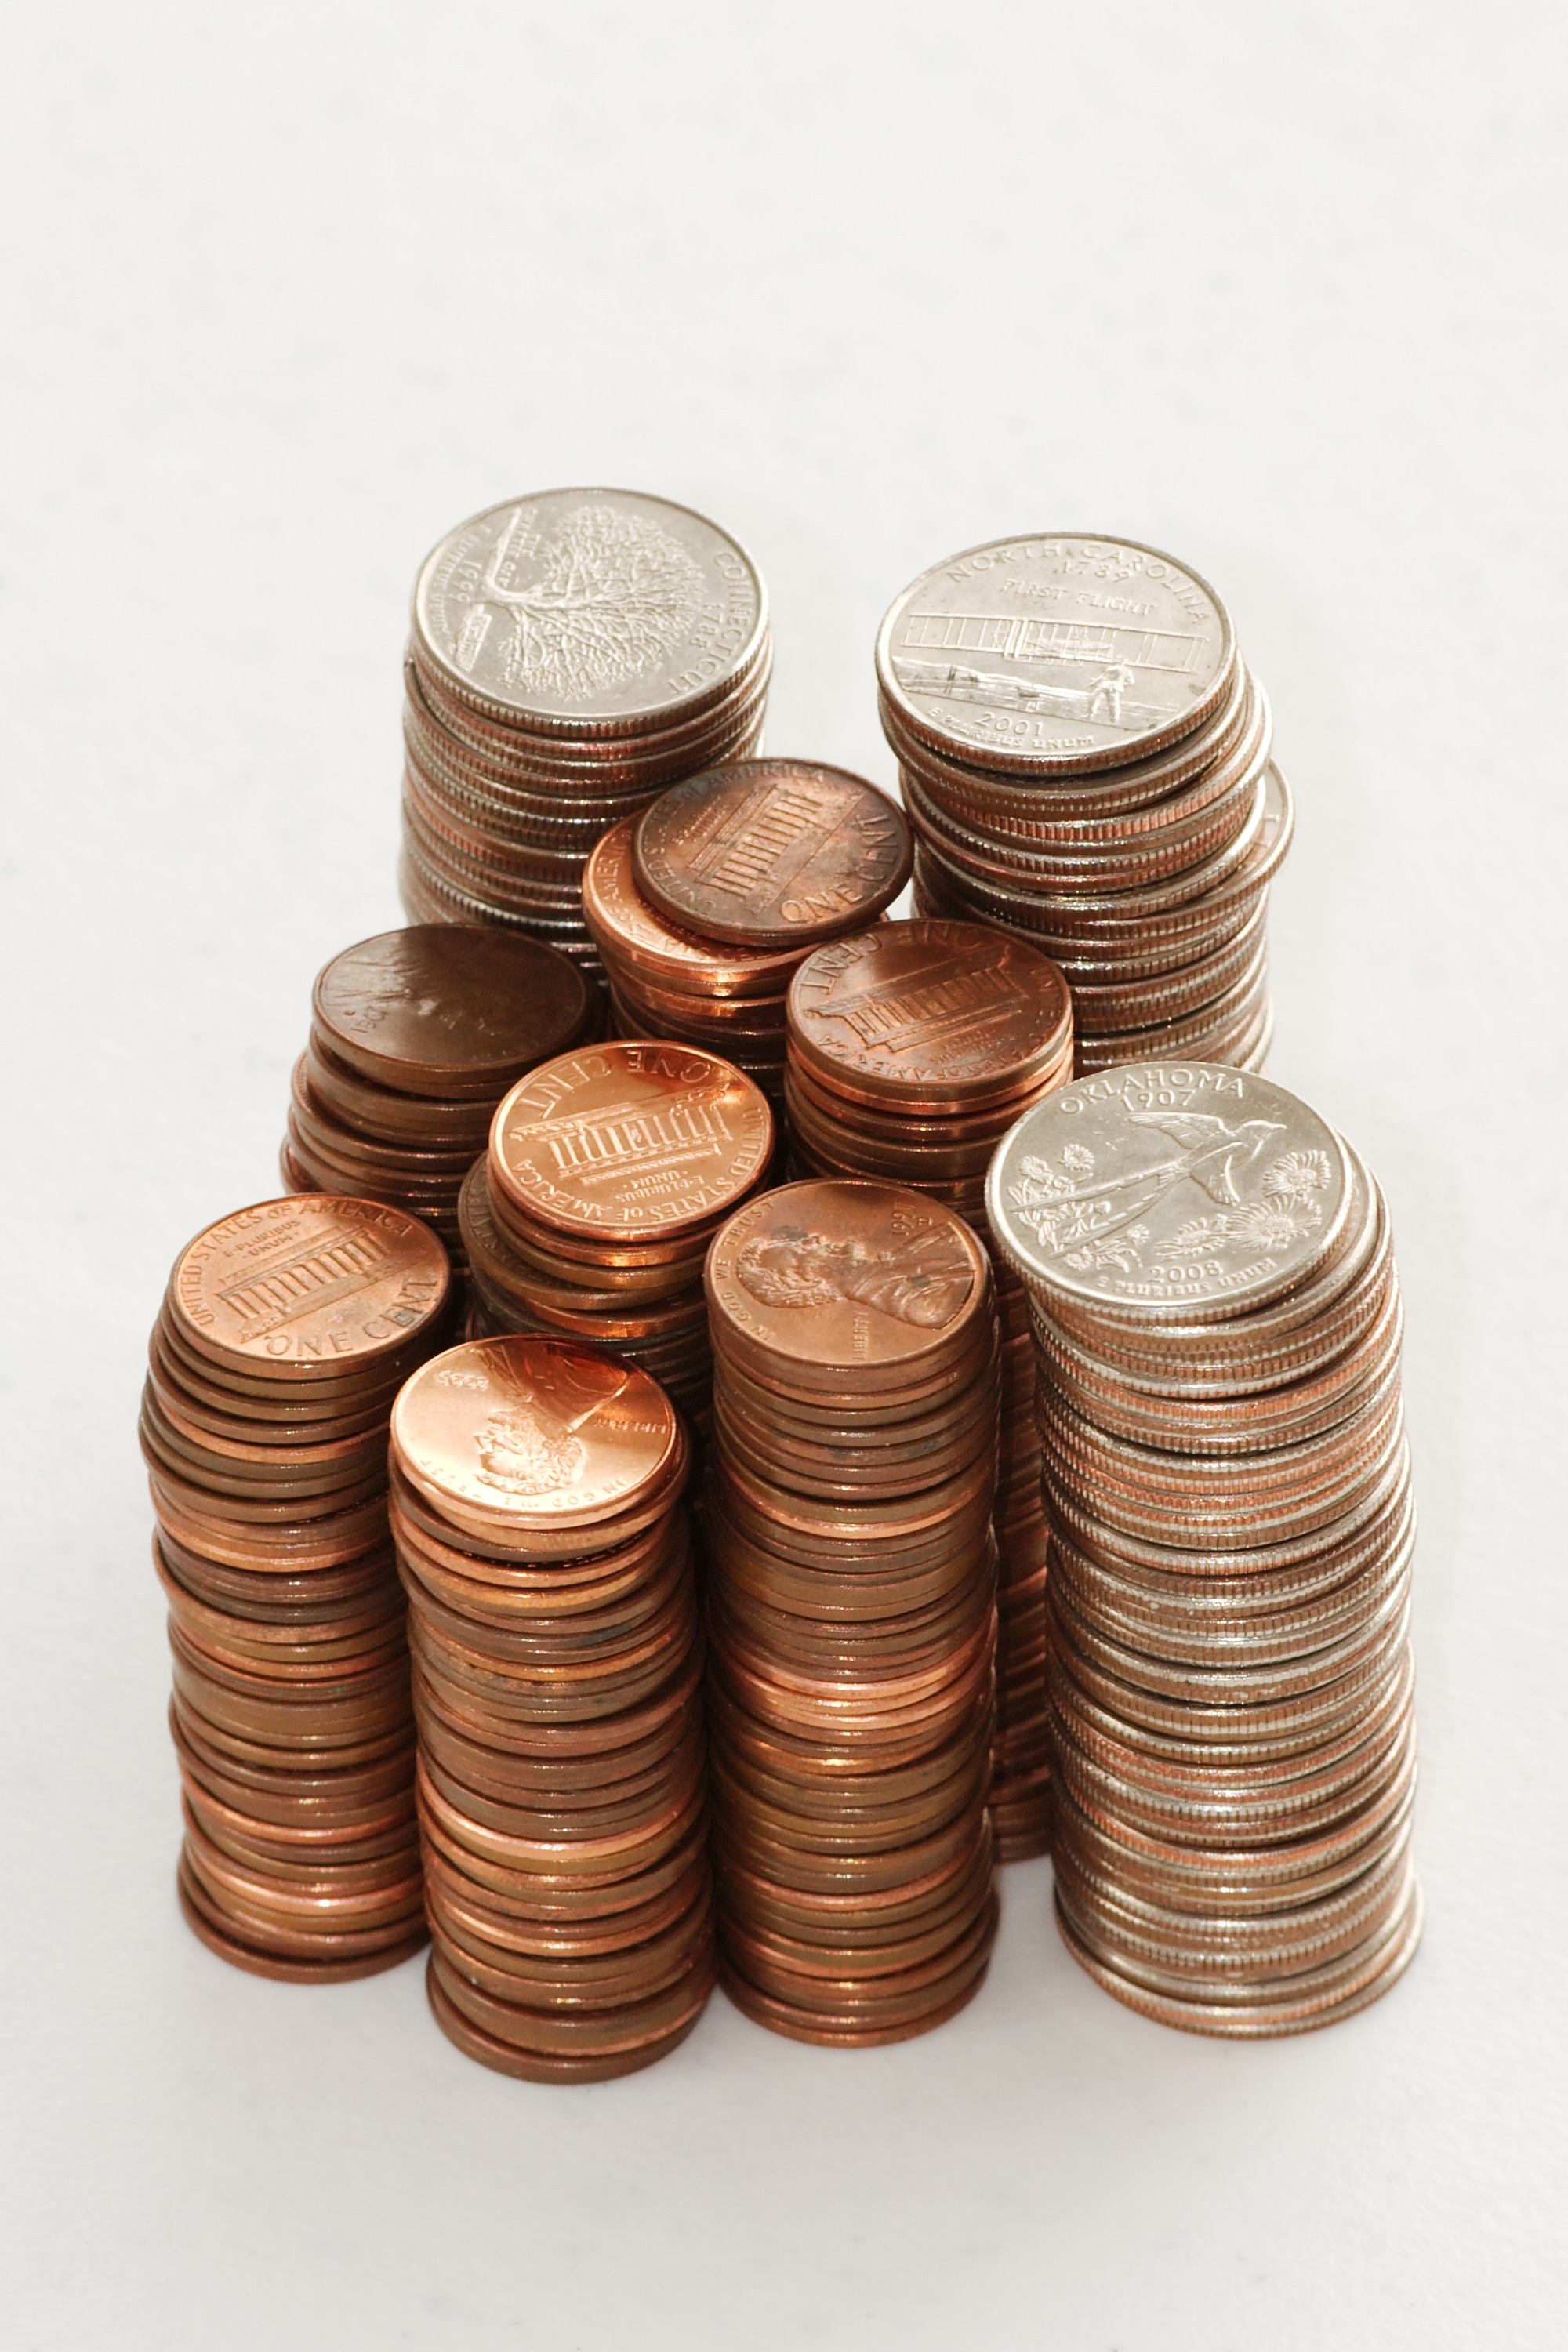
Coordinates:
column 445, row 1009
column 631, row 931
column 631, row 1136
column 848, row 1275
column 533, row 1431
column 314, row 1284
column 771, row 852
column 941, row 1010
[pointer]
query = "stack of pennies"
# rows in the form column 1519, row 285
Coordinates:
column 285, row 1332
column 852, row 1619
column 414, row 1037
column 552, row 1619
column 1227, row 1478
column 913, row 1050
column 609, row 1173
column 1084, row 759
column 571, row 653
column 703, row 908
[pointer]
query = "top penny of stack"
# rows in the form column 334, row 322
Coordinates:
column 534, row 1435
column 772, row 852
column 443, row 1009
column 414, row 1037
column 629, row 1139
column 309, row 1290
column 930, row 1015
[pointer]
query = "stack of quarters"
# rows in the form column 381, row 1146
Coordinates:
column 609, row 1173
column 572, row 654
column 1227, row 1478
column 913, row 1050
column 1084, row 759
column 541, row 1535
column 285, row 1334
column 703, row 908
column 852, row 1620
column 414, row 1038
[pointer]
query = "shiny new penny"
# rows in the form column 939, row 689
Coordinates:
column 630, row 1137
column 533, row 1431
column 314, row 1284
column 1175, row 1190
column 942, row 1008
column 771, row 852
column 1055, row 654
column 847, row 1274
column 444, row 1009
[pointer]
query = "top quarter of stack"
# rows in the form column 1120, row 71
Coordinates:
column 1180, row 1193
column 589, row 615
column 1145, row 649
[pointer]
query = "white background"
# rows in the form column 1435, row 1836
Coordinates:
column 292, row 289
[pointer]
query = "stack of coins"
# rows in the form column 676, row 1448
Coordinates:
column 852, row 1610
column 913, row 1050
column 1228, row 1485
column 553, row 1623
column 704, row 907
column 609, row 1173
column 284, row 1336
column 1084, row 757
column 571, row 653
column 414, row 1038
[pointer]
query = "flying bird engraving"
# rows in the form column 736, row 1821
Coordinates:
column 1212, row 1150
column 1213, row 1153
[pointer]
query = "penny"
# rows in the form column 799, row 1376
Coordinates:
column 851, row 1619
column 552, row 1628
column 533, row 1430
column 635, row 938
column 630, row 1137
column 271, row 1372
column 300, row 1287
column 826, row 1277
column 770, row 852
column 206, row 1922
column 444, row 1010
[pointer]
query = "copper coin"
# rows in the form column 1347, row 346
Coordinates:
column 848, row 1276
column 386, row 1113
column 446, row 1009
column 287, row 1395
column 629, row 1138
column 307, row 1284
column 935, row 1009
column 771, row 852
column 632, row 933
column 205, row 1921
column 534, row 1433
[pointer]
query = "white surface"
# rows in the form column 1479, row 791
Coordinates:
column 295, row 288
